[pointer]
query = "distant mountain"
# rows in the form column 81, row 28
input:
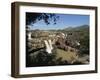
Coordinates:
column 83, row 27
column 78, row 28
column 68, row 28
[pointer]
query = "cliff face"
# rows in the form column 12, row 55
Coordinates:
column 69, row 47
column 38, row 38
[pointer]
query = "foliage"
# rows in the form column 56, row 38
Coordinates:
column 41, row 58
column 32, row 18
column 84, row 48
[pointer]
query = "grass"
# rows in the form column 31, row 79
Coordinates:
column 68, row 56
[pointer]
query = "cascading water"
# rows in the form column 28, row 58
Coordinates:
column 29, row 36
column 48, row 46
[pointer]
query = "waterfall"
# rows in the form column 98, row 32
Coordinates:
column 29, row 36
column 48, row 46
column 78, row 43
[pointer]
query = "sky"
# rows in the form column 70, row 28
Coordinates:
column 64, row 21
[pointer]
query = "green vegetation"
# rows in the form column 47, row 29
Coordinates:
column 39, row 57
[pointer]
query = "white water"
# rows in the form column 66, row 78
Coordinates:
column 78, row 43
column 29, row 36
column 48, row 46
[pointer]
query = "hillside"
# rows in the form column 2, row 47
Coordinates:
column 68, row 52
column 77, row 28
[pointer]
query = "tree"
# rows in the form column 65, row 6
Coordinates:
column 32, row 18
column 84, row 41
column 42, row 58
